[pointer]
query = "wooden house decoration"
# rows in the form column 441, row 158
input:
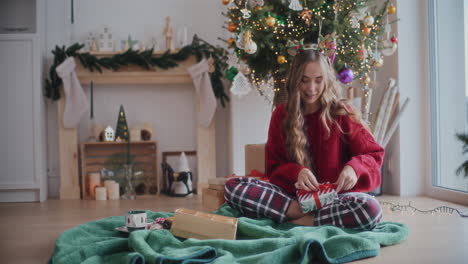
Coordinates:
column 109, row 134
column 105, row 40
column 89, row 41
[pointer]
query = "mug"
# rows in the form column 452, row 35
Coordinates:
column 135, row 220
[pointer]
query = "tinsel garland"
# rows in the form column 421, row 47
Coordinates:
column 145, row 59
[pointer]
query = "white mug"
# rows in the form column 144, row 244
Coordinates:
column 135, row 220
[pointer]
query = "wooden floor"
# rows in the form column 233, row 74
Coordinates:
column 29, row 230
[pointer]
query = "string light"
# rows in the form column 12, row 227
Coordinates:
column 440, row 210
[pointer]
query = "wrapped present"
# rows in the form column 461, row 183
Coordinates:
column 311, row 201
column 196, row 224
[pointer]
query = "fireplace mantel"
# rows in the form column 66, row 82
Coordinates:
column 68, row 138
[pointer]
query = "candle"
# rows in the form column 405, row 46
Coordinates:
column 94, row 181
column 113, row 191
column 107, row 185
column 135, row 134
column 101, row 193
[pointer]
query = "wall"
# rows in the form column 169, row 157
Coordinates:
column 412, row 162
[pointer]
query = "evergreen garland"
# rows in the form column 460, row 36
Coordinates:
column 145, row 59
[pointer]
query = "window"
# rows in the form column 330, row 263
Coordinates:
column 448, row 49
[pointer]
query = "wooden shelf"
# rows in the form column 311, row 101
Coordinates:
column 96, row 155
column 136, row 75
column 112, row 53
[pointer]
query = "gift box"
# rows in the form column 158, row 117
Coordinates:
column 254, row 158
column 196, row 224
column 311, row 201
column 212, row 199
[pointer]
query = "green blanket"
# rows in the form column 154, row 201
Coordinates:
column 258, row 241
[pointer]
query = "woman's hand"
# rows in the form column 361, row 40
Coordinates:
column 347, row 179
column 306, row 181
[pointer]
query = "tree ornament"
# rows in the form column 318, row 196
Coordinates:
column 366, row 30
column 231, row 41
column 346, row 75
column 394, row 39
column 249, row 45
column 270, row 21
column 245, row 13
column 306, row 15
column 295, row 5
column 232, row 27
column 377, row 62
column 388, row 48
column 355, row 22
column 226, row 2
column 281, row 59
column 391, row 9
column 368, row 20
column 240, row 41
column 362, row 53
column 258, row 8
column 231, row 73
column 240, row 85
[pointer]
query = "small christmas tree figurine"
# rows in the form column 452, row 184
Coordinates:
column 122, row 128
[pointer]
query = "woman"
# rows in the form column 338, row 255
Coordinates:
column 314, row 138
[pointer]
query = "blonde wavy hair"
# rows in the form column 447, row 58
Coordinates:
column 330, row 100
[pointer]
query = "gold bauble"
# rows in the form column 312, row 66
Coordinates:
column 270, row 21
column 226, row 2
column 391, row 9
column 258, row 8
column 281, row 59
column 231, row 41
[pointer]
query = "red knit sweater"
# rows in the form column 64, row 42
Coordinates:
column 356, row 147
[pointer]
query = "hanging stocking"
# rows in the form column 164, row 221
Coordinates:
column 240, row 85
column 202, row 82
column 295, row 5
column 76, row 103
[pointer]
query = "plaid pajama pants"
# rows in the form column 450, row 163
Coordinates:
column 256, row 199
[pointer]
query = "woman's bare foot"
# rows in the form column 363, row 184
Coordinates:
column 307, row 220
column 296, row 216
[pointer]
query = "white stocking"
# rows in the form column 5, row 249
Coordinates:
column 201, row 80
column 76, row 103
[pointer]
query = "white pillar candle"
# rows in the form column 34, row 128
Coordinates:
column 94, row 181
column 101, row 193
column 113, row 191
column 108, row 183
column 135, row 134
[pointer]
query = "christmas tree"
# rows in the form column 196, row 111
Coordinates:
column 122, row 128
column 354, row 33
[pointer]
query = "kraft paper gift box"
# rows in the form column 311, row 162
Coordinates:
column 212, row 199
column 254, row 158
column 196, row 224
